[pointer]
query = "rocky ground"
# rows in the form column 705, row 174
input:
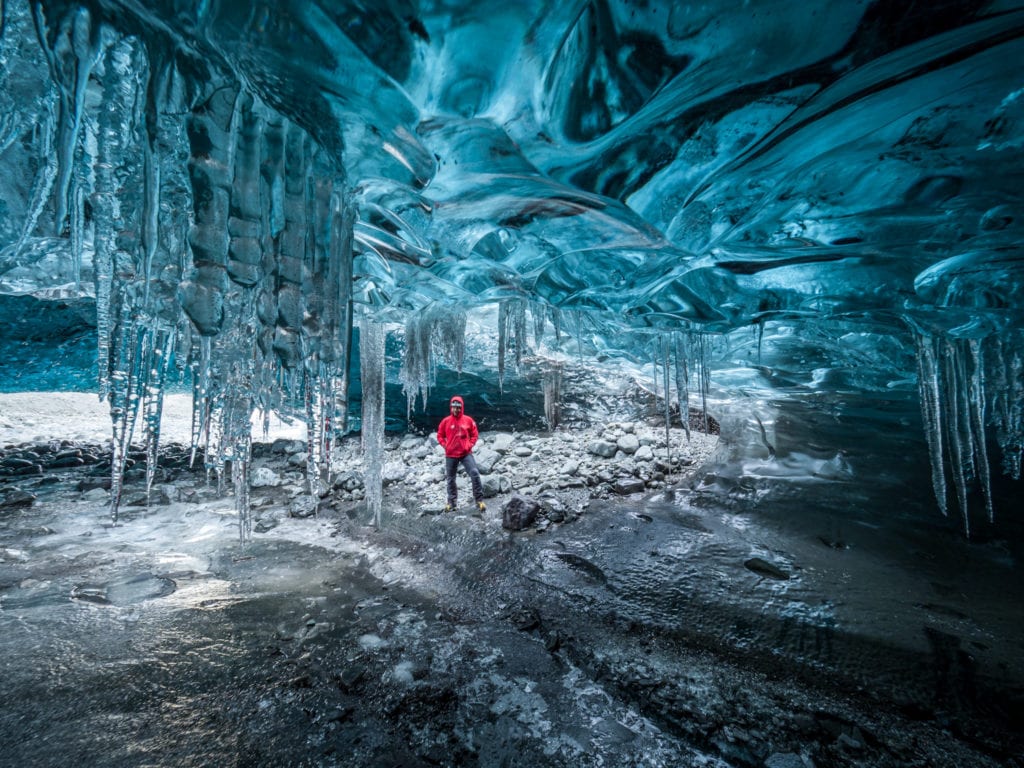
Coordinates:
column 561, row 471
column 441, row 639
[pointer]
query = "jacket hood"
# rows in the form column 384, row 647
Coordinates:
column 458, row 400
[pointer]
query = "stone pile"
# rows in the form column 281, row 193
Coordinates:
column 618, row 458
column 558, row 472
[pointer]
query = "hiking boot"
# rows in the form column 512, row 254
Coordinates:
column 481, row 506
column 449, row 508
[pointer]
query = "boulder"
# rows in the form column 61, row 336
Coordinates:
column 393, row 472
column 628, row 444
column 409, row 442
column 486, row 458
column 495, row 484
column 264, row 477
column 302, row 506
column 602, row 448
column 627, row 485
column 502, row 442
column 16, row 497
column 519, row 513
column 644, row 453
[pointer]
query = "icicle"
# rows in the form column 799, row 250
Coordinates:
column 976, row 405
column 417, row 373
column 435, row 331
column 317, row 418
column 929, row 386
column 44, row 137
column 511, row 331
column 539, row 313
column 342, row 223
column 1008, row 401
column 958, row 433
column 371, row 363
column 552, row 385
column 682, row 383
column 240, row 480
column 449, row 336
column 502, row 342
column 153, row 398
column 699, row 355
column 579, row 334
column 665, row 357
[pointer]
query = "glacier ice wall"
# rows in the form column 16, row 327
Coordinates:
column 832, row 187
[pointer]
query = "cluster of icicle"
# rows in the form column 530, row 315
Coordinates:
column 222, row 238
column 968, row 385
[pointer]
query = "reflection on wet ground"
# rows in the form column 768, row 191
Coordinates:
column 666, row 631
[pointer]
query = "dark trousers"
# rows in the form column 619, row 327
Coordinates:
column 451, row 466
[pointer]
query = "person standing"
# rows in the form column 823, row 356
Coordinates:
column 457, row 434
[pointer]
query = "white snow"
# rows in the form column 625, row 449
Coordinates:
column 83, row 417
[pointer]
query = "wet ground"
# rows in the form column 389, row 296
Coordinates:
column 666, row 631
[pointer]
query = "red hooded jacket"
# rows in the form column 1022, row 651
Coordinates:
column 457, row 434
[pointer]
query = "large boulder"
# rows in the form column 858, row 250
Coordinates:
column 628, row 444
column 519, row 513
column 627, row 485
column 502, row 442
column 602, row 448
column 486, row 459
column 495, row 484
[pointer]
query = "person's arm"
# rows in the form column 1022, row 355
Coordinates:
column 441, row 438
column 473, row 434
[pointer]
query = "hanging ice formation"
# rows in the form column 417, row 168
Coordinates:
column 511, row 333
column 965, row 385
column 371, row 358
column 221, row 236
column 679, row 356
column 436, row 330
column 552, row 386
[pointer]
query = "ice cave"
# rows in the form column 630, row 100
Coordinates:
column 733, row 290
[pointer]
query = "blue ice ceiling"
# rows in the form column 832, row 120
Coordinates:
column 240, row 185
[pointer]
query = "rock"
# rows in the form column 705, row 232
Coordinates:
column 302, row 507
column 96, row 494
column 602, row 448
column 644, row 453
column 502, row 442
column 627, row 485
column 409, row 442
column 393, row 472
column 495, row 484
column 25, row 471
column 298, row 459
column 264, row 477
column 628, row 444
column 265, row 524
column 570, row 467
column 281, row 445
column 519, row 513
column 486, row 459
column 62, row 462
column 522, row 452
column 421, row 452
column 764, row 568
column 349, row 481
column 785, row 760
column 16, row 462
column 16, row 497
